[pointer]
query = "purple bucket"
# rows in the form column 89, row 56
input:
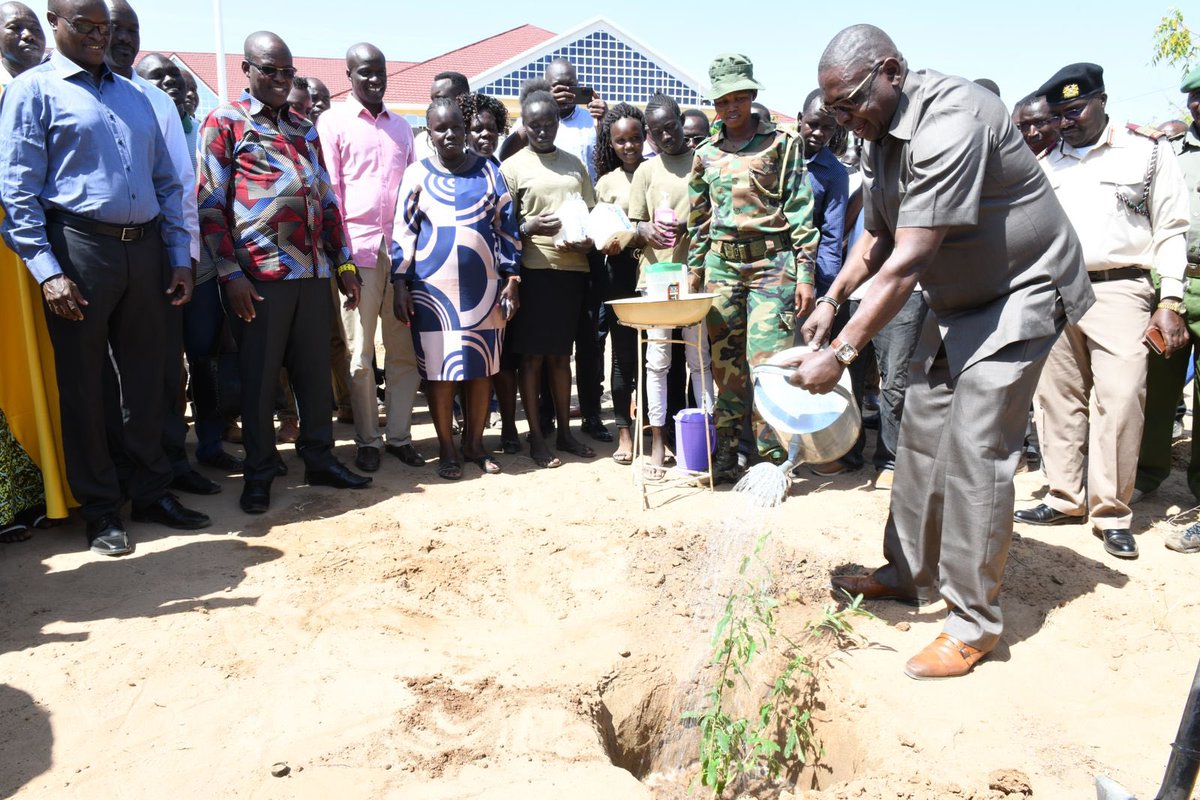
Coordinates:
column 691, row 451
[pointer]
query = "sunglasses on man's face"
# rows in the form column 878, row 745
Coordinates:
column 1074, row 112
column 287, row 73
column 85, row 28
column 851, row 101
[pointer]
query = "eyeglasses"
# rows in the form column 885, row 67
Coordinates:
column 1075, row 112
column 85, row 28
column 850, row 101
column 270, row 72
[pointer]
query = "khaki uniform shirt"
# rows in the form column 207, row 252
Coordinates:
column 759, row 190
column 540, row 183
column 952, row 157
column 1187, row 149
column 1090, row 183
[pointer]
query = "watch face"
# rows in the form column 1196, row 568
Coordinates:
column 845, row 353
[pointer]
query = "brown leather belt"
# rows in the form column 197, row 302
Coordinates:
column 1192, row 271
column 747, row 250
column 1118, row 274
column 126, row 233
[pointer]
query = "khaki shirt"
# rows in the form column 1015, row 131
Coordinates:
column 953, row 158
column 1089, row 182
column 1187, row 149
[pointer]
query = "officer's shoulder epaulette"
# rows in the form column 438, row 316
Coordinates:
column 1149, row 131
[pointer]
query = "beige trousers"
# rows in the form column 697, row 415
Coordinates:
column 1090, row 404
column 399, row 363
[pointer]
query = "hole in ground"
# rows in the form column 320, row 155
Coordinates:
column 638, row 718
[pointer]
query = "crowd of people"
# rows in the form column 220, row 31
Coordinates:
column 990, row 269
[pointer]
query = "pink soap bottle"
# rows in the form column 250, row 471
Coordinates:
column 665, row 215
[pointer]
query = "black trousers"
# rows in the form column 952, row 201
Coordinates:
column 124, row 284
column 626, row 372
column 290, row 329
column 589, row 339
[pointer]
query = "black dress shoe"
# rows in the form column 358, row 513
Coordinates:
column 193, row 482
column 107, row 536
column 406, row 453
column 336, row 476
column 256, row 497
column 594, row 428
column 1118, row 542
column 1043, row 514
column 367, row 459
column 167, row 510
column 223, row 462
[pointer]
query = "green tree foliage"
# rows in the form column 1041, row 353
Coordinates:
column 1174, row 42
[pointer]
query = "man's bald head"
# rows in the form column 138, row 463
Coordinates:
column 361, row 52
column 8, row 10
column 268, row 68
column 263, row 43
column 856, row 45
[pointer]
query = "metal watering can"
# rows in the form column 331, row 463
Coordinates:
column 816, row 428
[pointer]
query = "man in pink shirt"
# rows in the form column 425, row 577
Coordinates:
column 367, row 148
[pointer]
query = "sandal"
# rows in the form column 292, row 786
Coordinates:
column 15, row 533
column 489, row 465
column 624, row 459
column 547, row 462
column 576, row 449
column 510, row 446
column 448, row 469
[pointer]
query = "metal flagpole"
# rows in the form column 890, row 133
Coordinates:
column 222, row 83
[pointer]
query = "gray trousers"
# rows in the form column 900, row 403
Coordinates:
column 951, row 517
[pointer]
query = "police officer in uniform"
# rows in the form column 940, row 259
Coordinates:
column 1166, row 376
column 1125, row 196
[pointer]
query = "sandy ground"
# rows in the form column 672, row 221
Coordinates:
column 503, row 636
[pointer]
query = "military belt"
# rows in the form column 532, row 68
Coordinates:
column 1120, row 273
column 747, row 250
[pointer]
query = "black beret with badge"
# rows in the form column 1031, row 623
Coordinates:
column 1073, row 82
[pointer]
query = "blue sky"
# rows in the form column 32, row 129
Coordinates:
column 1019, row 44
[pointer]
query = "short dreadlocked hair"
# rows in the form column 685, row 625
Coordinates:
column 604, row 157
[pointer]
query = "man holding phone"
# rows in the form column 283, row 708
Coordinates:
column 1093, row 390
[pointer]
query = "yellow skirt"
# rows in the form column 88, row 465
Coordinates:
column 28, row 385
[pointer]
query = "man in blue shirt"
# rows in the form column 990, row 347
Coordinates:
column 830, row 187
column 93, row 205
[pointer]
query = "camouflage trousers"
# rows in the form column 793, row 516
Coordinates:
column 751, row 319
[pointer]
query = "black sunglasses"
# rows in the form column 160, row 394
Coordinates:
column 85, row 28
column 270, row 72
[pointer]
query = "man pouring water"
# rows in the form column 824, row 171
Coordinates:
column 954, row 199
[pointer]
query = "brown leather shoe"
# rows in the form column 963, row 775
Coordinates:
column 289, row 431
column 946, row 657
column 867, row 586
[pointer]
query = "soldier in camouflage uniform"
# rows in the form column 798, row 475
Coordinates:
column 753, row 243
column 1166, row 377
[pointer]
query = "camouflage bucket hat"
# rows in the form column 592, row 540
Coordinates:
column 732, row 72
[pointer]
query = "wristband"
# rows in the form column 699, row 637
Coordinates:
column 347, row 267
column 827, row 299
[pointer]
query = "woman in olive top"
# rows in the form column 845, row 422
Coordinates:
column 554, row 275
column 753, row 241
column 619, row 142
column 660, row 182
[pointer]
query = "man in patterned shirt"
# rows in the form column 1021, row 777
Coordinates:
column 271, row 223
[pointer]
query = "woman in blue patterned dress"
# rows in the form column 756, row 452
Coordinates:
column 455, row 257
